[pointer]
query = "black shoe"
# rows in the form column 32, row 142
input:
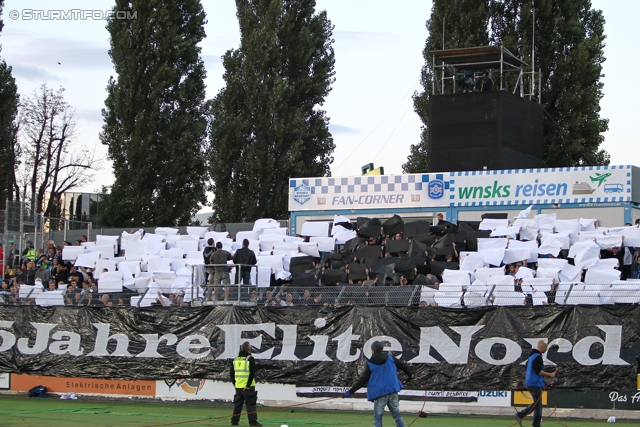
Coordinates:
column 234, row 424
column 518, row 420
column 256, row 424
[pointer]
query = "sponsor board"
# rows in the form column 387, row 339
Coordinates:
column 477, row 398
column 192, row 388
column 5, row 381
column 523, row 398
column 589, row 184
column 24, row 382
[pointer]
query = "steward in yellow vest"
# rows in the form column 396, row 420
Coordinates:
column 243, row 371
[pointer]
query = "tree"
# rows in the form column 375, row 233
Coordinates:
column 51, row 163
column 466, row 24
column 155, row 122
column 266, row 126
column 569, row 52
column 9, row 149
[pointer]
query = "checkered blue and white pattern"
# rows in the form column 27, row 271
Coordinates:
column 363, row 184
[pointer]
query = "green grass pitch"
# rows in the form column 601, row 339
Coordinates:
column 99, row 412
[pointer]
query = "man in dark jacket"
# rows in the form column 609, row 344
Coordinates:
column 534, row 380
column 206, row 254
column 383, row 384
column 221, row 271
column 243, row 371
column 246, row 257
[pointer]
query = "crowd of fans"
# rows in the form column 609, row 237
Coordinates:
column 369, row 264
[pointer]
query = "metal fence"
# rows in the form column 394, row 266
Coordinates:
column 336, row 296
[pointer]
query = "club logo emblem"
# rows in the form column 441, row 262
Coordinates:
column 436, row 189
column 302, row 194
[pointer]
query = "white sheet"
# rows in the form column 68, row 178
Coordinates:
column 315, row 229
column 325, row 244
column 126, row 238
column 197, row 231
column 263, row 223
column 472, row 261
column 456, row 276
column 499, row 243
column 493, row 223
column 87, row 260
column 70, row 253
column 492, row 256
column 512, row 255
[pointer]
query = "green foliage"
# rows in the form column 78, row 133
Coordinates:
column 9, row 148
column 569, row 51
column 266, row 125
column 155, row 114
column 466, row 24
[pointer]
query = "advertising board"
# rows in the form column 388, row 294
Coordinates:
column 588, row 184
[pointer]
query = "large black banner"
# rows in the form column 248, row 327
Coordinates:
column 595, row 348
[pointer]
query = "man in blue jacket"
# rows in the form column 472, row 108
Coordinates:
column 383, row 384
column 534, row 380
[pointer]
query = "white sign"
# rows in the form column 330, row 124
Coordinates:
column 5, row 382
column 589, row 184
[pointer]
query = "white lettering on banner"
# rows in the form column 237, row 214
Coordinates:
column 151, row 349
column 344, row 346
column 42, row 339
column 193, row 342
column 71, row 346
column 613, row 338
column 615, row 396
column 513, row 353
column 452, row 353
column 103, row 338
column 198, row 346
column 289, row 338
column 233, row 339
column 8, row 339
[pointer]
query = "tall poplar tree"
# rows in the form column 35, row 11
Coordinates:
column 266, row 125
column 465, row 23
column 569, row 51
column 9, row 149
column 155, row 114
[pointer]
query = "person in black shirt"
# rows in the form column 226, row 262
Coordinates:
column 246, row 257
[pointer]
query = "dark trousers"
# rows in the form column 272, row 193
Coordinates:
column 248, row 397
column 535, row 407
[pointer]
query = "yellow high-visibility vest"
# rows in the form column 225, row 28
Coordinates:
column 31, row 254
column 241, row 370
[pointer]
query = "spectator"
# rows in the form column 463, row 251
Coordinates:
column 86, row 287
column 106, row 300
column 42, row 273
column 62, row 275
column 206, row 254
column 30, row 276
column 306, row 298
column 4, row 290
column 29, row 253
column 246, row 257
column 221, row 270
column 288, row 301
column 75, row 274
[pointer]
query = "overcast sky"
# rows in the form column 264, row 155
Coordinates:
column 378, row 52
